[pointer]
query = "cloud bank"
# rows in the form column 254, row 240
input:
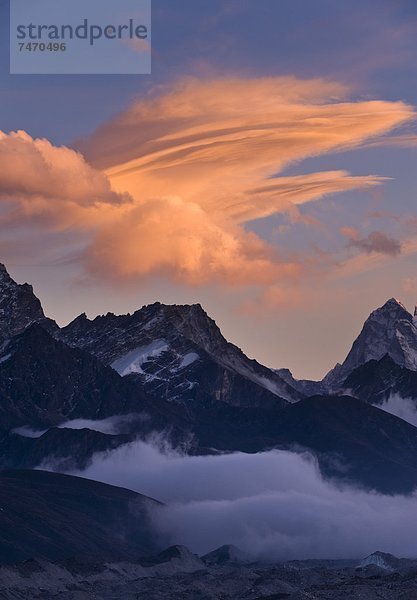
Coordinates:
column 273, row 505
column 111, row 425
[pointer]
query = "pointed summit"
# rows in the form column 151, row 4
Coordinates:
column 19, row 307
column 392, row 304
column 395, row 301
column 4, row 274
column 390, row 330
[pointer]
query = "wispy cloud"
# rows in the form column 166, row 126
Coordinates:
column 370, row 261
column 401, row 140
column 203, row 158
column 168, row 186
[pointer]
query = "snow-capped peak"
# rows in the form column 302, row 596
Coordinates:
column 391, row 330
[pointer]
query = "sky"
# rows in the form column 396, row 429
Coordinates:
column 266, row 169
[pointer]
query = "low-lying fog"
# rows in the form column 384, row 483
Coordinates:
column 273, row 505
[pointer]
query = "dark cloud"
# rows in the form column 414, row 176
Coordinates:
column 377, row 241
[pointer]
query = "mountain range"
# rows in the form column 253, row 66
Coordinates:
column 168, row 369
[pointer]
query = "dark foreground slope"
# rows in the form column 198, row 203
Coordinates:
column 54, row 516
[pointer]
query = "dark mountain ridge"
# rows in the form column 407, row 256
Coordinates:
column 172, row 365
column 377, row 380
column 171, row 349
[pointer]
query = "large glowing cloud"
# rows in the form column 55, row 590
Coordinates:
column 168, row 186
column 202, row 159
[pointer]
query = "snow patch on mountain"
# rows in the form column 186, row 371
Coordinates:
column 169, row 346
column 29, row 432
column 188, row 360
column 132, row 361
column 5, row 358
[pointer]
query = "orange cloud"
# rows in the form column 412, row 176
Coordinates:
column 183, row 240
column 217, row 147
column 170, row 183
column 52, row 185
column 170, row 236
column 404, row 140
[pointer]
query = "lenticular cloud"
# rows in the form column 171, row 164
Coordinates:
column 167, row 187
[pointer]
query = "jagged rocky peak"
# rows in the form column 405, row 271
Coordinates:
column 192, row 321
column 156, row 321
column 172, row 348
column 392, row 307
column 389, row 330
column 19, row 307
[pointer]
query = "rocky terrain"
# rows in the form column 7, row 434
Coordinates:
column 390, row 330
column 179, row 354
column 176, row 573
